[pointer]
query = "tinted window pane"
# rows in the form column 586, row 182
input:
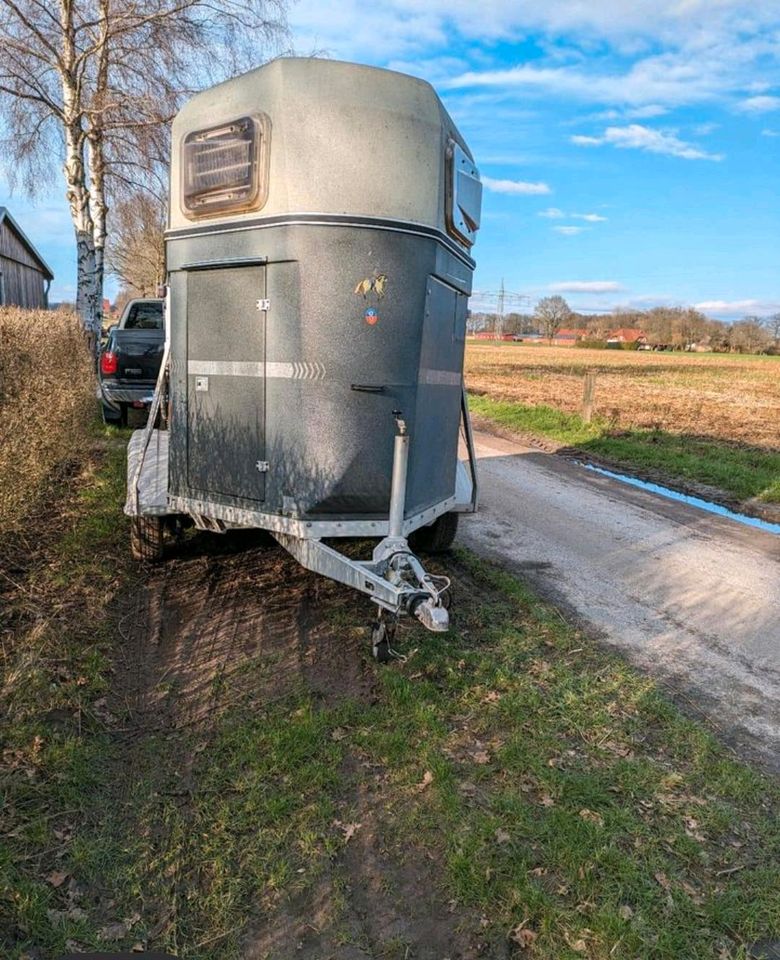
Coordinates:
column 145, row 316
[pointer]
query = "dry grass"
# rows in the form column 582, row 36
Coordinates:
column 724, row 397
column 46, row 403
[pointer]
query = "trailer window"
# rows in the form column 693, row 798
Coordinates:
column 223, row 168
column 464, row 196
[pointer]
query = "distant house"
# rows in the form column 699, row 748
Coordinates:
column 565, row 337
column 628, row 335
column 24, row 275
column 568, row 337
column 489, row 335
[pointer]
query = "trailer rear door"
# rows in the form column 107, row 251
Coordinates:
column 226, row 380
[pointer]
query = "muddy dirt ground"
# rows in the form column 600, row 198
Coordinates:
column 235, row 619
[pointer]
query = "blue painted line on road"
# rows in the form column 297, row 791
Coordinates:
column 698, row 502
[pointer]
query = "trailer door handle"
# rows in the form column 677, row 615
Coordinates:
column 369, row 387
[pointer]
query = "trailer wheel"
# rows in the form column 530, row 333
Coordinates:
column 436, row 538
column 146, row 538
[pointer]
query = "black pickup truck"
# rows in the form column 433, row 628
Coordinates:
column 130, row 360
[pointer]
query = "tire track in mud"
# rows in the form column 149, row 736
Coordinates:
column 233, row 620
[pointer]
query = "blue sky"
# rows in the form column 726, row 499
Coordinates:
column 629, row 150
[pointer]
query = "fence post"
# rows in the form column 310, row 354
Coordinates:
column 588, row 393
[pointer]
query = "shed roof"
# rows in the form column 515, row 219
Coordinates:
column 5, row 216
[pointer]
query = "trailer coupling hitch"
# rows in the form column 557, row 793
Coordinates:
column 432, row 615
column 425, row 593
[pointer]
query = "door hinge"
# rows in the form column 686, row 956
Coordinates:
column 262, row 466
column 263, row 305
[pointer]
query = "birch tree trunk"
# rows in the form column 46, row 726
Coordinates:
column 77, row 192
column 99, row 209
column 97, row 159
column 87, row 292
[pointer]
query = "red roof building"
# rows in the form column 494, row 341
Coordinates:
column 489, row 335
column 627, row 335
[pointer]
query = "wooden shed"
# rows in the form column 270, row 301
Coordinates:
column 24, row 275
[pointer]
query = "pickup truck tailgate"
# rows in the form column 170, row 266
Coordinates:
column 139, row 353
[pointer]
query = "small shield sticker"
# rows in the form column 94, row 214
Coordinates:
column 371, row 316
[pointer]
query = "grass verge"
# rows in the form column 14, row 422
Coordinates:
column 579, row 812
column 741, row 472
column 570, row 809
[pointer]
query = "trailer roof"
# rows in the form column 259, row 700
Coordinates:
column 343, row 138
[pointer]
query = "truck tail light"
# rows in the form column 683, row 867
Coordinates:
column 109, row 362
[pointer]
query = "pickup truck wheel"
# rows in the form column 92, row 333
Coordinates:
column 146, row 538
column 436, row 538
column 115, row 418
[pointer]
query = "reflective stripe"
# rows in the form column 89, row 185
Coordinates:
column 441, row 378
column 295, row 370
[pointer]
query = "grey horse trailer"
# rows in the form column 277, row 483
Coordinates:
column 322, row 216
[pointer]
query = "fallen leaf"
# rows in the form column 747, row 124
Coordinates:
column 72, row 913
column 113, row 931
column 426, row 781
column 592, row 817
column 502, row 836
column 57, row 878
column 693, row 893
column 663, row 880
column 546, row 800
column 348, row 829
column 522, row 936
column 579, row 946
column 338, row 733
column 480, row 756
column 625, row 912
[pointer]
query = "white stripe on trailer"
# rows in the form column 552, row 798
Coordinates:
column 440, row 378
column 273, row 370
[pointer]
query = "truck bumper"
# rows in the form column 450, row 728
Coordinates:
column 115, row 394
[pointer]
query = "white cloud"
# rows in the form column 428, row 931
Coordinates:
column 586, row 286
column 350, row 29
column 762, row 104
column 638, row 137
column 553, row 213
column 569, row 231
column 664, row 80
column 738, row 308
column 524, row 187
column 647, row 112
column 766, row 132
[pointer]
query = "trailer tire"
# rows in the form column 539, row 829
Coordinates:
column 436, row 538
column 147, row 538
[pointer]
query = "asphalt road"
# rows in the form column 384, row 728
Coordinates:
column 688, row 596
